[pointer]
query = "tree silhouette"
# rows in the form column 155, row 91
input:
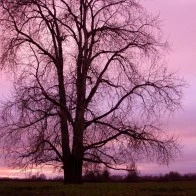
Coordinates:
column 88, row 85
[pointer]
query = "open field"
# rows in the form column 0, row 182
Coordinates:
column 98, row 189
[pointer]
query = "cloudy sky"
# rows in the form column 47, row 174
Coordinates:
column 178, row 21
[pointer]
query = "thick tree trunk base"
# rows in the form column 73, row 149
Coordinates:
column 73, row 171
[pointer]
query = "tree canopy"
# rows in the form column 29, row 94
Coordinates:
column 89, row 84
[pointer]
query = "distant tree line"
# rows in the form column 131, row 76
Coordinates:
column 105, row 176
column 135, row 177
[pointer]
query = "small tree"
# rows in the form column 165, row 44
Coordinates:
column 96, row 175
column 105, row 175
column 92, row 172
column 133, row 173
column 172, row 176
column 38, row 176
column 88, row 84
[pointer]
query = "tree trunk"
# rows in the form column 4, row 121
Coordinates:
column 74, row 163
column 73, row 170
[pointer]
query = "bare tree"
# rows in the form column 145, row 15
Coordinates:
column 88, row 84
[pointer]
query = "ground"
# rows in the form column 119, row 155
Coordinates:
column 98, row 189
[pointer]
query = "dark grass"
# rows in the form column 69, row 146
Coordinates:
column 96, row 189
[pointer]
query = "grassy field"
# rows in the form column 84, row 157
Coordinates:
column 98, row 189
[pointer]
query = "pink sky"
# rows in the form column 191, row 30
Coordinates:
column 178, row 21
column 179, row 26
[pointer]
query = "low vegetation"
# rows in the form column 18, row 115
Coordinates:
column 98, row 183
column 179, row 188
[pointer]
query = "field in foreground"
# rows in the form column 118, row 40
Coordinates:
column 98, row 189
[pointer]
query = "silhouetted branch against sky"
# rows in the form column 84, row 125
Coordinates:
column 90, row 84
